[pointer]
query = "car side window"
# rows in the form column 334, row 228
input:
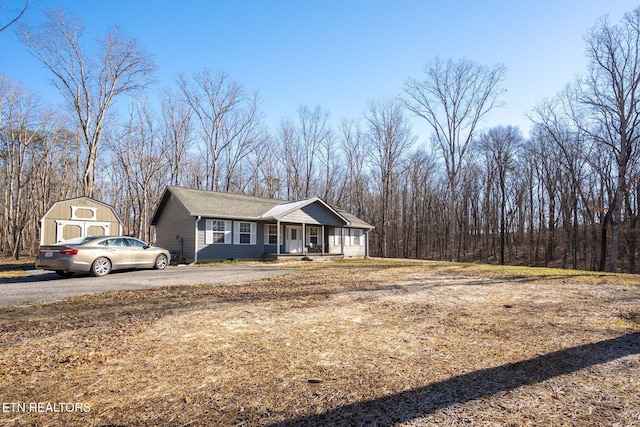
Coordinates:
column 136, row 243
column 116, row 242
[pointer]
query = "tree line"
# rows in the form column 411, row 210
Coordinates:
column 565, row 195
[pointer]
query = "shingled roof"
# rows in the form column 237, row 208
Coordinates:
column 227, row 205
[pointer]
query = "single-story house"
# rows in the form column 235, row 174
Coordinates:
column 78, row 217
column 202, row 225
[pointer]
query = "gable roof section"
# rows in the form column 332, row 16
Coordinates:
column 283, row 209
column 207, row 203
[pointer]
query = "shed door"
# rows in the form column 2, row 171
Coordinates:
column 66, row 230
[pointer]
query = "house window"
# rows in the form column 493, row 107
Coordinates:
column 337, row 236
column 271, row 234
column 245, row 233
column 347, row 237
column 356, row 235
column 218, row 232
column 313, row 236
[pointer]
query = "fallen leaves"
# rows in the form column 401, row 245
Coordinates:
column 370, row 341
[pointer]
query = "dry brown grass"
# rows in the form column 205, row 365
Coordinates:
column 353, row 343
column 10, row 268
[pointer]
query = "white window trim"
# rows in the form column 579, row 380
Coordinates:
column 209, row 233
column 357, row 240
column 75, row 216
column 252, row 235
column 84, row 227
column 317, row 235
column 267, row 234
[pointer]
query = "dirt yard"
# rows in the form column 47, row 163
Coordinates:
column 373, row 343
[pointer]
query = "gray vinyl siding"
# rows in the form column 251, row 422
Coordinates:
column 315, row 213
column 353, row 250
column 176, row 221
column 220, row 251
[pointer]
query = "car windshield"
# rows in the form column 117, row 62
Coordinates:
column 80, row 240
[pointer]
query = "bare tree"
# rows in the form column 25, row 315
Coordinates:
column 292, row 159
column 352, row 141
column 227, row 120
column 500, row 145
column 19, row 133
column 243, row 133
column 453, row 97
column 314, row 133
column 389, row 137
column 610, row 94
column 17, row 14
column 139, row 160
column 176, row 132
column 90, row 81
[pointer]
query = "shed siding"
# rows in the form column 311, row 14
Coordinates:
column 72, row 210
column 217, row 252
column 315, row 213
column 174, row 222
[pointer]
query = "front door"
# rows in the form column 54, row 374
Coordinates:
column 293, row 241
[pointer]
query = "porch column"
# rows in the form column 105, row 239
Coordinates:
column 304, row 238
column 366, row 244
column 342, row 241
column 322, row 240
column 278, row 239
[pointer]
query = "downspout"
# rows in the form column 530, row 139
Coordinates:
column 195, row 252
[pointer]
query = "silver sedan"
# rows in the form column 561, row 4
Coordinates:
column 100, row 255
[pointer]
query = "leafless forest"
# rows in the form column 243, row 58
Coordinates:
column 566, row 195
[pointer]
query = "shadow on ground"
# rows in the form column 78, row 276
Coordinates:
column 412, row 404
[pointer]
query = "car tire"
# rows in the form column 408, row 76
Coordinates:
column 100, row 267
column 63, row 273
column 161, row 262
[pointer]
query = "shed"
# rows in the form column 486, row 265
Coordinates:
column 78, row 217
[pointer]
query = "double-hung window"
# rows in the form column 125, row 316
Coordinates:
column 356, row 235
column 245, row 233
column 271, row 234
column 313, row 236
column 218, row 232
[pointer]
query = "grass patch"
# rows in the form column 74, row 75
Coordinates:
column 363, row 342
column 12, row 274
column 10, row 269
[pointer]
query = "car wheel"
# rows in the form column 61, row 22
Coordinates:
column 63, row 273
column 101, row 267
column 161, row 262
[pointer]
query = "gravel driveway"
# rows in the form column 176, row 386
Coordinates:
column 44, row 286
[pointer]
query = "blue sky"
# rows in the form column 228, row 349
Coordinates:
column 340, row 54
